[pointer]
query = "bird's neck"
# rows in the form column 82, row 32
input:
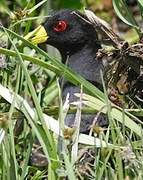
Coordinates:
column 84, row 62
column 78, row 49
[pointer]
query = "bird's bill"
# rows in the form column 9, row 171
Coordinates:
column 38, row 35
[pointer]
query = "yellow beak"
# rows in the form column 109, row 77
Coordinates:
column 38, row 36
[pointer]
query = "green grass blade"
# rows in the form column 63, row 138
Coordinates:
column 69, row 74
column 125, row 15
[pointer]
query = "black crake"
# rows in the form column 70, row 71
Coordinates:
column 77, row 40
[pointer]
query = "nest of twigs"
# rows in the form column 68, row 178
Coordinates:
column 123, row 64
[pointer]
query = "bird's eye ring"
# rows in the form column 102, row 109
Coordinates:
column 60, row 26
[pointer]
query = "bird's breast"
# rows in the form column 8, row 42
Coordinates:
column 86, row 65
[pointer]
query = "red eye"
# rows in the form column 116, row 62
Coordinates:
column 60, row 26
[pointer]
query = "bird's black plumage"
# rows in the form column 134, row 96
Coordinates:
column 75, row 36
column 78, row 44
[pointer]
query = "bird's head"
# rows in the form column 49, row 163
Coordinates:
column 66, row 31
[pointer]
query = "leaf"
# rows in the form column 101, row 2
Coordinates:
column 68, row 72
column 116, row 113
column 2, row 135
column 50, row 122
column 141, row 2
column 36, row 6
column 123, row 13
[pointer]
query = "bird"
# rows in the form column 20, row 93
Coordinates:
column 77, row 42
